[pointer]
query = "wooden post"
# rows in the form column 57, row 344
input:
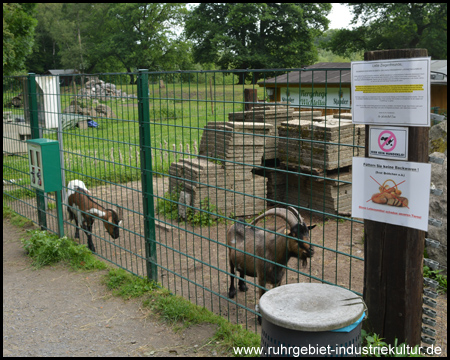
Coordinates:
column 393, row 255
column 250, row 97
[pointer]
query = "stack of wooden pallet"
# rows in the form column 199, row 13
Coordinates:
column 269, row 115
column 323, row 149
column 320, row 145
column 223, row 171
column 359, row 130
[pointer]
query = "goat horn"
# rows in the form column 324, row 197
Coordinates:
column 285, row 213
column 120, row 213
column 295, row 211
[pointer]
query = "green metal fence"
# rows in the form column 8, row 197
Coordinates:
column 188, row 154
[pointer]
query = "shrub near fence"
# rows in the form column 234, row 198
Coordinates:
column 150, row 154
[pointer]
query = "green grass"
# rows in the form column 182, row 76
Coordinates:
column 16, row 219
column 374, row 345
column 437, row 276
column 177, row 311
column 111, row 152
column 47, row 249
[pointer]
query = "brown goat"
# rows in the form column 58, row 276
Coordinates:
column 80, row 208
column 276, row 248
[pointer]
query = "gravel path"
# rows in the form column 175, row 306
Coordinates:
column 57, row 312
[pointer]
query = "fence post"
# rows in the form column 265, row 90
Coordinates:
column 250, row 97
column 393, row 255
column 146, row 175
column 34, row 124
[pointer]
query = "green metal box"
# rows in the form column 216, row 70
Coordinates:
column 45, row 166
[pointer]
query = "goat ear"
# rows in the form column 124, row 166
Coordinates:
column 120, row 223
column 311, row 227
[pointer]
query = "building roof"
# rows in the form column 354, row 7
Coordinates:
column 340, row 72
column 330, row 73
column 62, row 72
column 439, row 72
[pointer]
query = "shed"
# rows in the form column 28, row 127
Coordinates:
column 65, row 76
column 439, row 85
column 307, row 88
column 319, row 86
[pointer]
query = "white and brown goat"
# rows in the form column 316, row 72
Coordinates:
column 278, row 248
column 81, row 207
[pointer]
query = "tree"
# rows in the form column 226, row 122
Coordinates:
column 18, row 35
column 256, row 35
column 142, row 36
column 394, row 26
column 45, row 53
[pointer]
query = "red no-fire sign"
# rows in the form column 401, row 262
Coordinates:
column 388, row 142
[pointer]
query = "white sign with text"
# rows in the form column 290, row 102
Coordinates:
column 391, row 92
column 393, row 192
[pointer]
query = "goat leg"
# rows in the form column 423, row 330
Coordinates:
column 91, row 244
column 232, row 290
column 241, row 283
column 88, row 231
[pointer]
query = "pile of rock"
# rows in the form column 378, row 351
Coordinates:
column 438, row 202
column 223, row 172
column 91, row 109
column 103, row 91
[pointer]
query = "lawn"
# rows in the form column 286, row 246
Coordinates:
column 178, row 113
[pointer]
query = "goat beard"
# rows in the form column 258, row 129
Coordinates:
column 304, row 260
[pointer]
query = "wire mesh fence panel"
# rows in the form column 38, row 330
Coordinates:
column 184, row 156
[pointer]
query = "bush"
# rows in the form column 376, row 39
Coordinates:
column 47, row 249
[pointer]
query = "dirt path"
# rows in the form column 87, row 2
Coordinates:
column 57, row 312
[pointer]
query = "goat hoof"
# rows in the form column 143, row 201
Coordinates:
column 243, row 288
column 231, row 293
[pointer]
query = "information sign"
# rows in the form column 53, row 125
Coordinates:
column 391, row 192
column 388, row 142
column 391, row 92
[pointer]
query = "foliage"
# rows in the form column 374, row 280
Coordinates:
column 142, row 36
column 47, row 249
column 374, row 343
column 18, row 35
column 437, row 276
column 256, row 35
column 394, row 26
column 168, row 206
column 102, row 37
column 206, row 216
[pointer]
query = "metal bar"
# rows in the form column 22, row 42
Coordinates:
column 146, row 175
column 35, row 134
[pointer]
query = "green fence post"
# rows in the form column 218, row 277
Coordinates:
column 34, row 123
column 146, row 175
